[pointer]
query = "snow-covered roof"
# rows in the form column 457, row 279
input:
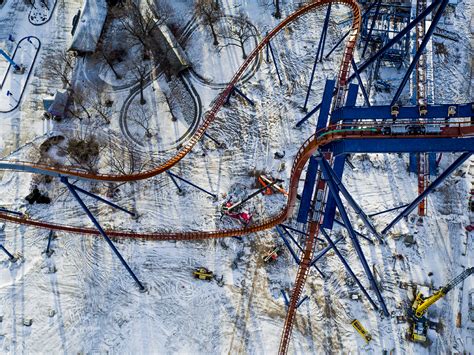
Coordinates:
column 57, row 105
column 89, row 26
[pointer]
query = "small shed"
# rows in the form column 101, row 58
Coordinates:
column 56, row 106
column 88, row 27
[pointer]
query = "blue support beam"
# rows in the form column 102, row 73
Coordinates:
column 338, row 222
column 397, row 37
column 285, row 298
column 432, row 164
column 306, row 297
column 388, row 210
column 235, row 90
column 339, row 162
column 324, row 251
column 348, row 32
column 9, row 59
column 355, row 242
column 308, row 188
column 180, row 191
column 288, row 245
column 316, row 58
column 72, row 190
column 288, row 228
column 48, row 250
column 400, row 145
column 359, row 80
column 98, row 198
column 421, row 48
column 244, row 96
column 330, row 209
column 325, row 105
column 10, row 256
column 348, row 268
column 405, row 112
column 372, row 24
column 457, row 163
column 269, row 45
column 293, row 253
column 331, row 175
column 2, row 209
column 325, row 31
column 190, row 183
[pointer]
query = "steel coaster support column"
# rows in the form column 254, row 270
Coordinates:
column 244, row 96
column 457, row 163
column 338, row 222
column 325, row 106
column 399, row 36
column 308, row 188
column 48, row 250
column 287, row 243
column 10, row 256
column 329, row 173
column 334, row 191
column 349, row 269
column 193, row 185
column 72, row 190
column 285, row 297
column 9, row 59
column 10, row 211
column 372, row 24
column 325, row 251
column 420, row 50
column 306, row 297
column 90, row 194
column 325, row 30
column 316, row 58
column 432, row 163
column 269, row 45
column 389, row 210
column 359, row 79
column 297, row 260
column 288, row 228
column 175, row 182
column 212, row 139
column 348, row 32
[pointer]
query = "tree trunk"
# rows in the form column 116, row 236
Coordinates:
column 142, row 98
column 277, row 13
column 216, row 42
column 244, row 55
column 117, row 75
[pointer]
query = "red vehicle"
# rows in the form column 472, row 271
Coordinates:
column 243, row 217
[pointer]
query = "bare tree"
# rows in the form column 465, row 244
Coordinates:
column 84, row 152
column 100, row 104
column 209, row 12
column 140, row 23
column 277, row 13
column 141, row 72
column 60, row 64
column 238, row 32
column 142, row 118
column 112, row 55
column 127, row 159
column 79, row 102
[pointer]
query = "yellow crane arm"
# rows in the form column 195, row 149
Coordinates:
column 422, row 304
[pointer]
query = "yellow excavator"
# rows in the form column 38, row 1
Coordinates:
column 419, row 323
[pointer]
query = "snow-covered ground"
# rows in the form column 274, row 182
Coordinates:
column 82, row 300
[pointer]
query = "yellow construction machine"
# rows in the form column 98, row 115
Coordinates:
column 419, row 323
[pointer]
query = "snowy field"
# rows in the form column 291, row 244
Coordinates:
column 82, row 300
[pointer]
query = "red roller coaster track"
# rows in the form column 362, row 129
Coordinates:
column 308, row 148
